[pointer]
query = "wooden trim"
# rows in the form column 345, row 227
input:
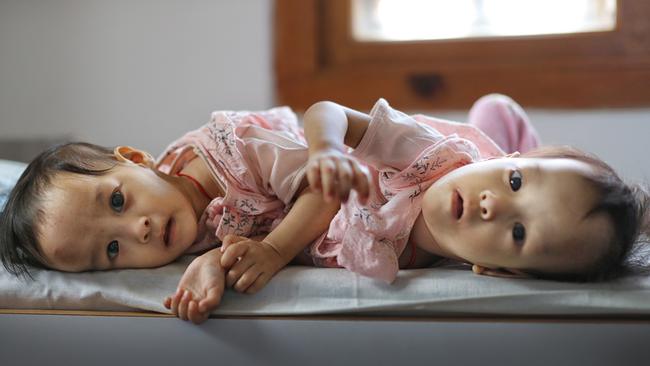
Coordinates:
column 578, row 318
column 296, row 43
column 145, row 314
column 611, row 47
column 316, row 59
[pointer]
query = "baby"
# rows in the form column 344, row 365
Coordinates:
column 370, row 193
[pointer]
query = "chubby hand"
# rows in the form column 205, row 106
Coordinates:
column 200, row 289
column 251, row 263
column 335, row 173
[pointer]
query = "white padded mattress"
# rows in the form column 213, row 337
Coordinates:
column 296, row 290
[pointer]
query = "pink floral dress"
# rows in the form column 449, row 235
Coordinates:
column 261, row 159
column 406, row 156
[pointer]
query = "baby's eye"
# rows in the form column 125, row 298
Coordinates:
column 117, row 201
column 515, row 180
column 113, row 249
column 519, row 233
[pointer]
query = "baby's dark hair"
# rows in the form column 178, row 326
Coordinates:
column 626, row 206
column 19, row 247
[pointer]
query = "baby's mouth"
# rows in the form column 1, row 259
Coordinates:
column 457, row 205
column 168, row 228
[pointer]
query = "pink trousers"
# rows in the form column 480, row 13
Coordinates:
column 505, row 122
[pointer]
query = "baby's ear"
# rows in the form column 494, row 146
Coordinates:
column 133, row 155
column 500, row 272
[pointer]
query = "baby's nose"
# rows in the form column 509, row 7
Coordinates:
column 488, row 205
column 142, row 229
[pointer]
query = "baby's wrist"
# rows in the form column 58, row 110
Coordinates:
column 212, row 255
column 325, row 147
column 277, row 250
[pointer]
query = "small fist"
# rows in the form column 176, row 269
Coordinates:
column 336, row 173
column 251, row 264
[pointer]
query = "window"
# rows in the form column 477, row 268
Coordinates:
column 579, row 53
column 416, row 20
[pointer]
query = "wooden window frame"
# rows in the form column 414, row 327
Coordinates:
column 317, row 59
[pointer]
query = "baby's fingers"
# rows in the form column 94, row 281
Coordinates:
column 247, row 279
column 313, row 175
column 211, row 301
column 182, row 307
column 175, row 301
column 230, row 239
column 232, row 253
column 259, row 283
column 238, row 270
column 192, row 312
column 361, row 181
column 328, row 179
column 195, row 315
column 344, row 175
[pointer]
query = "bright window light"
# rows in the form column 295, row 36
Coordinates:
column 412, row 20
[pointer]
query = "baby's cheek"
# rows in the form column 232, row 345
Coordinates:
column 480, row 239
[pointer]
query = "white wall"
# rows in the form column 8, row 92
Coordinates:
column 621, row 137
column 142, row 72
column 136, row 72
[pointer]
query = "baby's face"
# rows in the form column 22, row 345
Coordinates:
column 131, row 217
column 518, row 213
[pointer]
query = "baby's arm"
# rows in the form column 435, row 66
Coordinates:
column 328, row 126
column 252, row 263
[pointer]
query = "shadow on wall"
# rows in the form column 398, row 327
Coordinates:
column 25, row 150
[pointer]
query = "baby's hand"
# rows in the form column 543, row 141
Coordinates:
column 200, row 289
column 336, row 173
column 252, row 263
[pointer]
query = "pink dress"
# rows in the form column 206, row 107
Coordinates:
column 406, row 155
column 261, row 158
